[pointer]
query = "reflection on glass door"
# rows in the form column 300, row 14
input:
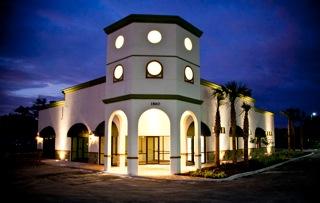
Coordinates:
column 152, row 150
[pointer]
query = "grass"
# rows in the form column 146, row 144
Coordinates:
column 259, row 160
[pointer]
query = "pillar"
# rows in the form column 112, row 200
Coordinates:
column 132, row 146
column 175, row 157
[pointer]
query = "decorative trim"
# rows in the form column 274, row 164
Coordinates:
column 107, row 156
column 153, row 56
column 53, row 104
column 152, row 96
column 132, row 157
column 152, row 19
column 90, row 83
column 175, row 157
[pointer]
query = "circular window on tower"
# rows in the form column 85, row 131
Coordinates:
column 154, row 36
column 154, row 70
column 118, row 73
column 188, row 74
column 188, row 43
column 119, row 42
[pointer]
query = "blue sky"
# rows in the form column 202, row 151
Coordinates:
column 272, row 46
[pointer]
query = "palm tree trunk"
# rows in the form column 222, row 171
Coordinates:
column 233, row 129
column 245, row 138
column 217, row 128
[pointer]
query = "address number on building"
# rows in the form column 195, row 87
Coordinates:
column 155, row 103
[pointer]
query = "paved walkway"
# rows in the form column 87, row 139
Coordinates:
column 153, row 171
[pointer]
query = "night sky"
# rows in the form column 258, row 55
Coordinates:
column 272, row 46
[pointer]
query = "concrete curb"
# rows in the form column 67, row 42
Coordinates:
column 249, row 173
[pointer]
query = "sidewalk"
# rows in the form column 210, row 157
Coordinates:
column 100, row 169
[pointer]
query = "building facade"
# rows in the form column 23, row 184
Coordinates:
column 152, row 107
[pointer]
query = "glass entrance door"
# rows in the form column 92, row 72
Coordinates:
column 152, row 155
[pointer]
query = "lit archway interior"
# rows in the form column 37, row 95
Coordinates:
column 188, row 139
column 154, row 137
column 117, row 136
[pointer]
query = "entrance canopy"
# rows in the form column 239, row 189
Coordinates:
column 154, row 122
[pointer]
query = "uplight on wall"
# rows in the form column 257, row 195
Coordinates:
column 154, row 36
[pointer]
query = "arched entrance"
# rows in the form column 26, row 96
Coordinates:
column 189, row 141
column 154, row 137
column 206, row 156
column 99, row 131
column 239, row 134
column 117, row 136
column 79, row 134
column 48, row 134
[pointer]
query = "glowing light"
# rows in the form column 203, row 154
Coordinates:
column 154, row 36
column 62, row 155
column 314, row 114
column 154, row 122
column 154, row 68
column 118, row 72
column 188, row 43
column 119, row 42
column 188, row 73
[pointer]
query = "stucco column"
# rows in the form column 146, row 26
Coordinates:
column 132, row 146
column 175, row 157
column 107, row 146
column 197, row 143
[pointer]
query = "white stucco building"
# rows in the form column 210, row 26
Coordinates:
column 152, row 107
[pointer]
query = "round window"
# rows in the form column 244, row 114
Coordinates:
column 118, row 72
column 154, row 36
column 119, row 42
column 188, row 74
column 188, row 43
column 154, row 69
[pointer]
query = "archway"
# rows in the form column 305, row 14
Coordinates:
column 48, row 150
column 206, row 156
column 79, row 134
column 260, row 134
column 239, row 133
column 154, row 137
column 189, row 141
column 99, row 131
column 116, row 139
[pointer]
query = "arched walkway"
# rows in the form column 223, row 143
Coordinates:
column 79, row 134
column 48, row 134
column 99, row 131
column 189, row 141
column 154, row 137
column 116, row 144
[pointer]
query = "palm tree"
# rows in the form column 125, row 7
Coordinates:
column 291, row 114
column 246, row 108
column 301, row 117
column 233, row 91
column 220, row 96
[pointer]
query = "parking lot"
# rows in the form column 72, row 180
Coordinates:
column 293, row 182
